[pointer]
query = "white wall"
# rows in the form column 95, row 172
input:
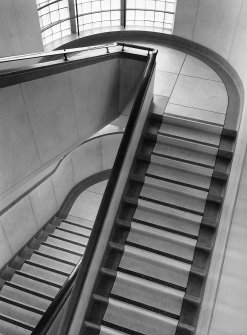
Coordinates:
column 19, row 224
column 40, row 120
column 19, row 29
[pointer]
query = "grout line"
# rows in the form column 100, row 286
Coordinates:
column 235, row 30
column 197, row 9
column 206, row 110
column 190, row 76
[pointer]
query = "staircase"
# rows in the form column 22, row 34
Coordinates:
column 34, row 278
column 155, row 266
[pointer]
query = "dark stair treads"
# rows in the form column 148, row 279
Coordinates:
column 155, row 266
column 175, row 195
column 186, row 151
column 149, row 293
column 162, row 241
column 138, row 319
column 167, row 217
column 180, row 172
column 191, row 130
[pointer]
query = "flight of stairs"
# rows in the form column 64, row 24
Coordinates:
column 162, row 241
column 33, row 279
column 155, row 254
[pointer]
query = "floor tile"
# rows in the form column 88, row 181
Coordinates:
column 99, row 187
column 196, row 68
column 169, row 60
column 86, row 205
column 164, row 83
column 200, row 93
column 159, row 104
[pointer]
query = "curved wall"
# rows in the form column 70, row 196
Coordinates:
column 23, row 220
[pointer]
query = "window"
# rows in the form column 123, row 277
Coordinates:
column 58, row 18
column 54, row 19
column 98, row 13
column 151, row 13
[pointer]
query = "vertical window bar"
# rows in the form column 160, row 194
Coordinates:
column 123, row 13
column 72, row 16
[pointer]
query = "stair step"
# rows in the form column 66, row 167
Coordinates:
column 195, row 114
column 186, row 151
column 25, row 298
column 44, row 274
column 13, row 327
column 51, row 263
column 20, row 314
column 173, row 194
column 65, row 245
column 35, row 285
column 79, row 221
column 63, row 255
column 192, row 124
column 139, row 319
column 180, row 172
column 108, row 331
column 167, row 217
column 75, row 229
column 149, row 293
column 71, row 237
column 155, row 266
column 163, row 241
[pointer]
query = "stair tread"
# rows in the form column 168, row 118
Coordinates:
column 178, row 175
column 44, row 274
column 82, row 222
column 66, row 245
column 12, row 329
column 189, row 133
column 191, row 123
column 25, row 298
column 63, row 255
column 148, row 293
column 174, row 194
column 184, row 150
column 139, row 319
column 19, row 313
column 75, row 229
column 35, row 285
column 168, row 217
column 108, row 331
column 51, row 263
column 156, row 266
column 70, row 236
column 160, row 240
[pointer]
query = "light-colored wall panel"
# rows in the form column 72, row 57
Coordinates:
column 109, row 147
column 18, row 152
column 95, row 90
column 63, row 180
column 185, row 18
column 51, row 110
column 28, row 25
column 5, row 250
column 216, row 23
column 239, row 47
column 43, row 202
column 19, row 224
column 86, row 160
column 130, row 75
column 109, row 77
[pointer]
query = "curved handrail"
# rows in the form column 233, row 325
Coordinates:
column 55, row 53
column 108, row 194
column 65, row 52
column 30, row 189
